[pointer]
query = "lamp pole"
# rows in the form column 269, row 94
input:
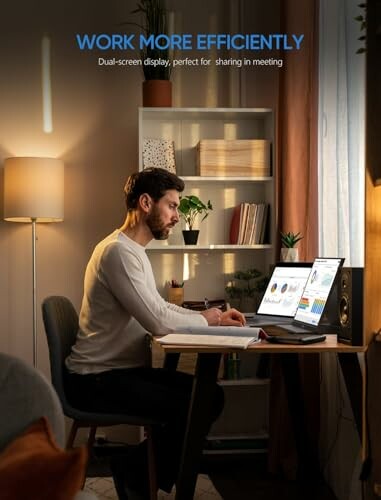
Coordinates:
column 34, row 291
column 33, row 193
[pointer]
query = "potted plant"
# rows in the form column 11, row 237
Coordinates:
column 289, row 240
column 245, row 288
column 157, row 87
column 190, row 208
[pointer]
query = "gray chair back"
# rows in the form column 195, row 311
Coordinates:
column 61, row 327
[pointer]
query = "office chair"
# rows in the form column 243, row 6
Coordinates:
column 61, row 327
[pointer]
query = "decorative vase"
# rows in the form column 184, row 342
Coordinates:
column 190, row 236
column 289, row 254
column 157, row 93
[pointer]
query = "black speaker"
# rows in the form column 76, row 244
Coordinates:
column 349, row 305
column 343, row 313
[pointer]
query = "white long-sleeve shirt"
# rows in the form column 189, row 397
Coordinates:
column 120, row 304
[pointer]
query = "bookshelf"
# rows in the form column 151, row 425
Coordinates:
column 213, row 257
column 206, row 268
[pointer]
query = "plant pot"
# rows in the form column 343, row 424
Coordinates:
column 247, row 304
column 190, row 236
column 157, row 93
column 176, row 295
column 234, row 303
column 289, row 254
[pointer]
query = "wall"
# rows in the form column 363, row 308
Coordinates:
column 89, row 134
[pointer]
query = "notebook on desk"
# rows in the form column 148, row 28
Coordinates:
column 281, row 298
column 314, row 298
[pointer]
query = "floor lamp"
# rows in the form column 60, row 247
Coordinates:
column 33, row 192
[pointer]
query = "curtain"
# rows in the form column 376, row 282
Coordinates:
column 298, row 211
column 297, row 127
column 341, row 212
column 341, row 133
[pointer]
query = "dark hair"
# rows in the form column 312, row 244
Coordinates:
column 153, row 181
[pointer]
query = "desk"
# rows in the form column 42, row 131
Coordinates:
column 208, row 361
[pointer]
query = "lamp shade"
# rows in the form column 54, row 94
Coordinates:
column 33, row 189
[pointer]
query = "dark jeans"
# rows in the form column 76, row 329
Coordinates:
column 149, row 392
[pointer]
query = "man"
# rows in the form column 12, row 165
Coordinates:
column 107, row 368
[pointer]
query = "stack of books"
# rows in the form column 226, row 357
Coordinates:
column 248, row 224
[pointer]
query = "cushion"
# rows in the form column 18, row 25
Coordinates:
column 34, row 467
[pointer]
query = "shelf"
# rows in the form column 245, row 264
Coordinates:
column 198, row 178
column 236, row 451
column 193, row 248
column 204, row 113
column 237, row 444
column 249, row 381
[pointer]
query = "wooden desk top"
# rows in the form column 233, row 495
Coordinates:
column 329, row 345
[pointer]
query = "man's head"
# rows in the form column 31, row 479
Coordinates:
column 153, row 181
column 155, row 193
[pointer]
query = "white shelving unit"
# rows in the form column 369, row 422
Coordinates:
column 207, row 267
column 196, row 248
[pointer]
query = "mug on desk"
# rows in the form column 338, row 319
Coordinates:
column 176, row 295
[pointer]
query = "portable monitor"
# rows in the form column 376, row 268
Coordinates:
column 281, row 298
column 315, row 296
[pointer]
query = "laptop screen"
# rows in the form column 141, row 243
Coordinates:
column 317, row 290
column 285, row 289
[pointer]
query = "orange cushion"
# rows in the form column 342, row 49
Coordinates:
column 33, row 467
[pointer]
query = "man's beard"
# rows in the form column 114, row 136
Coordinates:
column 158, row 229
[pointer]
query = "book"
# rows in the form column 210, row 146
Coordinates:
column 242, row 222
column 213, row 336
column 234, row 225
column 250, row 222
column 258, row 223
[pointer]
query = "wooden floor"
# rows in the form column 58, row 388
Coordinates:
column 246, row 478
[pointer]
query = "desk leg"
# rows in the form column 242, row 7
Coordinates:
column 308, row 463
column 171, row 361
column 205, row 378
column 351, row 370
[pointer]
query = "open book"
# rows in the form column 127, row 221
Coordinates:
column 213, row 336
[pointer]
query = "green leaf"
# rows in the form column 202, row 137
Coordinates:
column 191, row 206
column 289, row 240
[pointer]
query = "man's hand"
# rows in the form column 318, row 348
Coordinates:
column 232, row 317
column 213, row 316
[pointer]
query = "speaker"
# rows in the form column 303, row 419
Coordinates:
column 345, row 305
column 344, row 310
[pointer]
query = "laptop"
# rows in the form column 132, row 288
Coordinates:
column 315, row 297
column 281, row 298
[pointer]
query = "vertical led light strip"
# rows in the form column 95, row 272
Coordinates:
column 47, row 121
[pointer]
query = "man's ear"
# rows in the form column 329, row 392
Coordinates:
column 145, row 202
